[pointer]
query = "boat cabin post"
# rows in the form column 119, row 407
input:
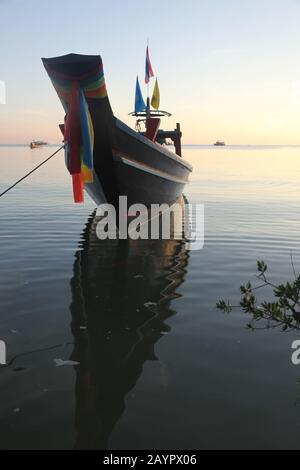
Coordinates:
column 177, row 140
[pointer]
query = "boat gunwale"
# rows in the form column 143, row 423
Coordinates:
column 127, row 160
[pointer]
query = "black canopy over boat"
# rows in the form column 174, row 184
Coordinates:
column 105, row 156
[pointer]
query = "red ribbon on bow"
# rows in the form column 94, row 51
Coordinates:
column 72, row 135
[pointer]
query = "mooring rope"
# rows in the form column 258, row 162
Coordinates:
column 32, row 171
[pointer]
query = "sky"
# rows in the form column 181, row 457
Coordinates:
column 227, row 69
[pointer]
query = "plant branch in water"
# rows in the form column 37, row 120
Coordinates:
column 283, row 311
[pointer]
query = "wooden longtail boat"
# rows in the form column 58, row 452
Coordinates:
column 104, row 156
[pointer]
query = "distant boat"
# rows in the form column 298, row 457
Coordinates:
column 37, row 143
column 219, row 143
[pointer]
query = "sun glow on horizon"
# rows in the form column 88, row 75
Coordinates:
column 231, row 73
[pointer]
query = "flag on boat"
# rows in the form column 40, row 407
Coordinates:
column 156, row 96
column 148, row 71
column 139, row 105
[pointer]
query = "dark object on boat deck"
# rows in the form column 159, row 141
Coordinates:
column 174, row 136
column 104, row 155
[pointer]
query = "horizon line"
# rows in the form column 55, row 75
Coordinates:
column 6, row 144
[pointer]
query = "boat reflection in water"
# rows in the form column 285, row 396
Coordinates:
column 121, row 296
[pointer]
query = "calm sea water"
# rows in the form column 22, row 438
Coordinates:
column 153, row 364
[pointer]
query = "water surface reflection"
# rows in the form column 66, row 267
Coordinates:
column 121, row 300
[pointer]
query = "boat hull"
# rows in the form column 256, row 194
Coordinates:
column 128, row 164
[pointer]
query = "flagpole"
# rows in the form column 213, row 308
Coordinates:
column 148, row 98
column 149, row 80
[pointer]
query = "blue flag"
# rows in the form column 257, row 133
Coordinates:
column 139, row 100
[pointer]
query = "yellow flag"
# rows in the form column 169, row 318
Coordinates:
column 156, row 96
